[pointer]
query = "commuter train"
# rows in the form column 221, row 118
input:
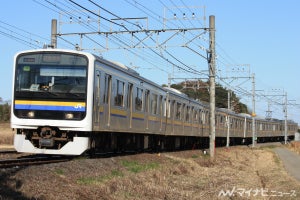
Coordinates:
column 69, row 102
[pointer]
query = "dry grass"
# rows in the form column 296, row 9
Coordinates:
column 248, row 173
column 295, row 146
column 6, row 134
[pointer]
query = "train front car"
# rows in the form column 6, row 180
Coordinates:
column 49, row 108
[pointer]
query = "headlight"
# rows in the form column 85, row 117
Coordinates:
column 69, row 116
column 30, row 114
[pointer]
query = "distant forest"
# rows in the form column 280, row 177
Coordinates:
column 199, row 90
column 4, row 112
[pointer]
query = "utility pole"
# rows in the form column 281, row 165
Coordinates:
column 285, row 118
column 253, row 111
column 212, row 84
column 269, row 112
column 285, row 110
column 228, row 120
column 54, row 33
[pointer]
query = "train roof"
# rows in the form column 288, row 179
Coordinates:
column 175, row 91
column 125, row 67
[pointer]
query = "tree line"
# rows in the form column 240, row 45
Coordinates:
column 5, row 112
column 199, row 90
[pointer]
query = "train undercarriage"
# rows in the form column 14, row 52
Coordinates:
column 51, row 140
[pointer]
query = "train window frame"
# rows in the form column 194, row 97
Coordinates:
column 203, row 116
column 120, row 93
column 161, row 105
column 154, row 104
column 169, row 108
column 129, row 95
column 187, row 114
column 147, row 101
column 178, row 111
column 138, row 103
column 232, row 120
column 260, row 126
column 97, row 86
column 107, row 88
column 195, row 115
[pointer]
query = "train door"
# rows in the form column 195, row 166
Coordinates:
column 107, row 100
column 173, row 115
column 161, row 103
column 96, row 109
column 147, row 106
column 130, row 103
column 167, row 115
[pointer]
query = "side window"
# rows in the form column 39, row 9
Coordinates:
column 129, row 95
column 154, row 104
column 161, row 105
column 203, row 117
column 97, row 88
column 120, row 90
column 147, row 101
column 187, row 114
column 139, row 99
column 260, row 126
column 167, row 108
column 107, row 86
column 178, row 111
column 195, row 115
column 232, row 120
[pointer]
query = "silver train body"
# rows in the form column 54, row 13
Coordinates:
column 64, row 101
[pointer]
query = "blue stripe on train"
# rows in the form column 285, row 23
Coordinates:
column 45, row 107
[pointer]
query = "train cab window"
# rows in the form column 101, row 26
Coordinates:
column 139, row 99
column 154, row 104
column 119, row 96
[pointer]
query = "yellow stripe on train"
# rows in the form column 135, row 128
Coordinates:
column 49, row 103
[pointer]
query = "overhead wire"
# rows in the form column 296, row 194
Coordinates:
column 226, row 58
column 153, row 14
column 231, row 60
column 76, row 17
column 20, row 35
column 188, row 68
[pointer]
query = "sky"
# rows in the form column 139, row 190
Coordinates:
column 252, row 37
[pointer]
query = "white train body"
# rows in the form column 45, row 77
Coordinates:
column 66, row 102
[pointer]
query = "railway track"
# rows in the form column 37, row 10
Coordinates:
column 8, row 152
column 28, row 160
column 35, row 160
